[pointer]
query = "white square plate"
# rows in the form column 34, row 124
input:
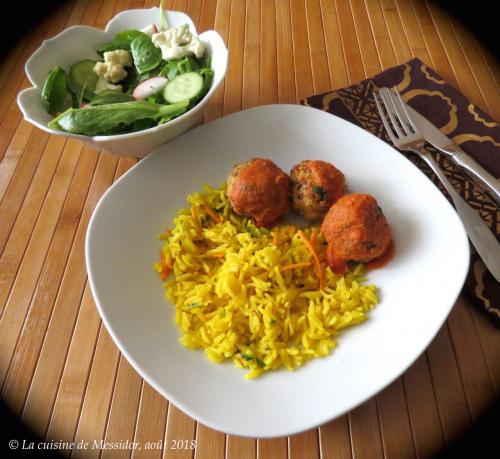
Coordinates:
column 417, row 288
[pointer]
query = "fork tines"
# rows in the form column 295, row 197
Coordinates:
column 398, row 122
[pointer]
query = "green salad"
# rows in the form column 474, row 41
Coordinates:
column 144, row 78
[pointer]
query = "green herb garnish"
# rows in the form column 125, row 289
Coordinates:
column 320, row 191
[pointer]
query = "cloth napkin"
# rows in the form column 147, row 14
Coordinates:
column 467, row 125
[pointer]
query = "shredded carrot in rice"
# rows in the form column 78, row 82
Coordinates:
column 319, row 268
column 313, row 238
column 295, row 266
column 165, row 270
column 212, row 214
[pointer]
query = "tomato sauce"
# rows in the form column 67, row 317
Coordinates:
column 381, row 261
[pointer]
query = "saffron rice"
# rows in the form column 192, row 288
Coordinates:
column 251, row 294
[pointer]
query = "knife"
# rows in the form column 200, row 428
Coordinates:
column 443, row 143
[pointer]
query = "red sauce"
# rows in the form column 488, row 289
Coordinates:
column 381, row 261
column 337, row 264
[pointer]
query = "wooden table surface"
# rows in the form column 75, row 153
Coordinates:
column 61, row 373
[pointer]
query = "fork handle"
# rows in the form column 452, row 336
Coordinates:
column 480, row 235
column 475, row 170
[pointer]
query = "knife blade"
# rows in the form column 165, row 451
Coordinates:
column 443, row 143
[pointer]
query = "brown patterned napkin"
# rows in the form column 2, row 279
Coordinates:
column 463, row 122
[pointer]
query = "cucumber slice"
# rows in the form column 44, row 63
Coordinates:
column 187, row 86
column 83, row 78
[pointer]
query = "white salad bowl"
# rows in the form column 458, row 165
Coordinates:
column 81, row 42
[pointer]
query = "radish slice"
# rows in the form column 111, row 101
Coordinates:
column 149, row 87
column 85, row 105
column 150, row 29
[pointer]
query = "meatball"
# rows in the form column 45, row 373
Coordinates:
column 355, row 229
column 260, row 189
column 316, row 185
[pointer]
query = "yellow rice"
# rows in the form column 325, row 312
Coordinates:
column 237, row 297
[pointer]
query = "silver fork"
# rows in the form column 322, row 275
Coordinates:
column 405, row 135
